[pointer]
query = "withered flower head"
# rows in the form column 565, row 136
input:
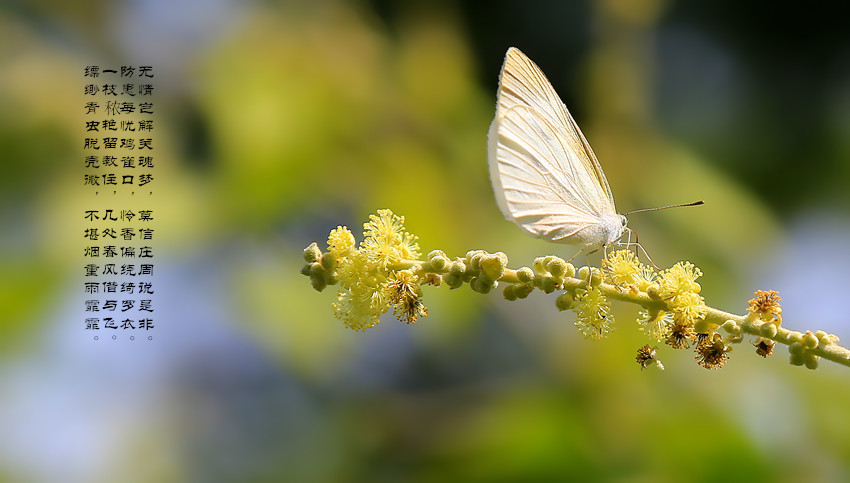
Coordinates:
column 712, row 353
column 646, row 355
column 680, row 336
column 764, row 347
column 766, row 305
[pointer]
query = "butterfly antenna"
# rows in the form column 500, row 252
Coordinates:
column 637, row 242
column 695, row 203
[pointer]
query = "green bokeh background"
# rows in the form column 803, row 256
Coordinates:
column 278, row 121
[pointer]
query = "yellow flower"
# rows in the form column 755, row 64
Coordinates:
column 622, row 268
column 656, row 325
column 386, row 241
column 677, row 286
column 341, row 242
column 645, row 277
column 679, row 279
column 366, row 294
column 593, row 317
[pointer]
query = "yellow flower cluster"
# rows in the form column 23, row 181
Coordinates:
column 678, row 288
column 375, row 277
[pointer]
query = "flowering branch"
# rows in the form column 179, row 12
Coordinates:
column 385, row 272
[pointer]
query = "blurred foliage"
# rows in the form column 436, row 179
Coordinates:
column 290, row 118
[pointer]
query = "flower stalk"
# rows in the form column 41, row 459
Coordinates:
column 384, row 272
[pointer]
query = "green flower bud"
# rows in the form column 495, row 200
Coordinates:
column 565, row 301
column 471, row 254
column 457, row 268
column 569, row 270
column 436, row 253
column 557, row 267
column 331, row 278
column 328, row 261
column 797, row 359
column 453, row 280
column 768, row 330
column 480, row 286
column 731, row 327
column 796, row 348
column 549, row 284
column 811, row 360
column 439, row 263
column 494, row 265
column 485, row 279
column 312, row 253
column 583, row 272
column 810, row 341
column 475, row 259
column 305, row 270
column 509, row 293
column 523, row 290
column 595, row 276
column 316, row 270
column 318, row 283
column 539, row 265
column 703, row 327
column 525, row 275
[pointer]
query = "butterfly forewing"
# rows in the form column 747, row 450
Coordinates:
column 545, row 199
column 523, row 83
column 544, row 173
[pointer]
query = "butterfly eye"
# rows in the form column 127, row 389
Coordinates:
column 623, row 220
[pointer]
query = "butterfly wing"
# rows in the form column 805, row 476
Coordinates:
column 544, row 173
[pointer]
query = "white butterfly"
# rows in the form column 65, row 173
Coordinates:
column 544, row 173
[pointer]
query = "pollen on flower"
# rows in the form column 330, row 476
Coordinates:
column 766, row 305
column 622, row 268
column 712, row 352
column 386, row 241
column 593, row 318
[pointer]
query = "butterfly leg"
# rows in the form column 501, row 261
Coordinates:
column 637, row 244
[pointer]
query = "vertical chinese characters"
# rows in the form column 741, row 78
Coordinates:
column 118, row 177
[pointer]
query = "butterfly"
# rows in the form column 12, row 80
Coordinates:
column 544, row 173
